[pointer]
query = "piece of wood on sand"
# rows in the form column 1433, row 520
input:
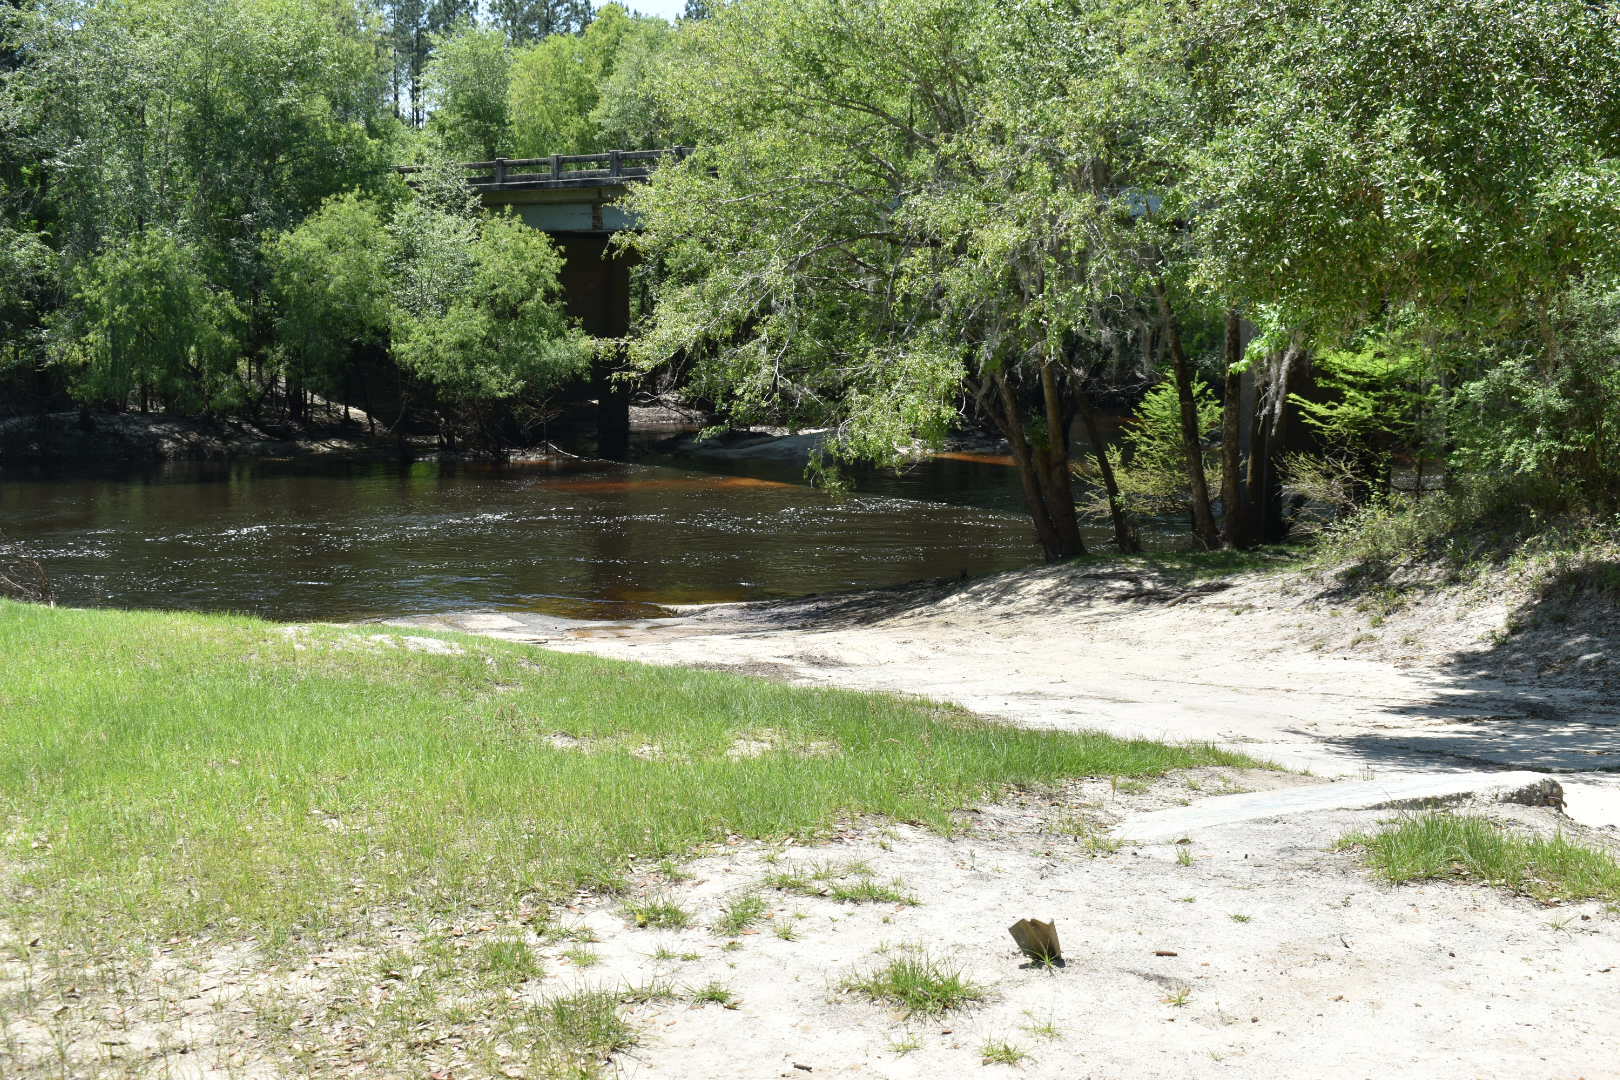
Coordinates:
column 1038, row 940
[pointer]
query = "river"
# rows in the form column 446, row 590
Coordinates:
column 342, row 540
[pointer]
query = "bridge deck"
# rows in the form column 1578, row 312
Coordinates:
column 615, row 168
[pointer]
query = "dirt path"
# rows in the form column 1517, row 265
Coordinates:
column 1264, row 663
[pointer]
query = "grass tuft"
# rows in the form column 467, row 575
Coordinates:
column 714, row 994
column 849, row 883
column 1450, row 847
column 919, row 984
column 508, row 961
column 590, row 1021
column 740, row 914
column 657, row 914
column 1001, row 1052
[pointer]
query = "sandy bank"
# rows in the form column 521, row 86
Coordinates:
column 1281, row 665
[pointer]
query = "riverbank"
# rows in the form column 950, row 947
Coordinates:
column 242, row 850
column 237, row 849
column 1513, row 666
column 122, row 439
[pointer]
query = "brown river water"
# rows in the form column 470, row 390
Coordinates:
column 347, row 540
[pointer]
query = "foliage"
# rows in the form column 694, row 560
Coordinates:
column 1459, row 156
column 1379, row 393
column 215, row 120
column 330, row 282
column 1551, row 416
column 1152, row 465
column 27, row 277
column 479, row 313
column 144, row 317
column 631, row 112
column 410, row 26
column 557, row 83
column 1382, row 400
column 465, row 86
column 885, row 224
column 525, row 21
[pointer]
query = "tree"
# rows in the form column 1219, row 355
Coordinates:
column 558, row 83
column 145, row 321
column 630, row 112
column 27, row 277
column 1458, row 156
column 528, row 21
column 1447, row 164
column 410, row 27
column 465, row 86
column 1156, row 476
column 903, row 212
column 330, row 282
column 478, row 316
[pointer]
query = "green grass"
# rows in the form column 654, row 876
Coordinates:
column 919, row 984
column 740, row 914
column 508, row 961
column 590, row 1021
column 713, row 994
column 658, row 914
column 1449, row 847
column 1001, row 1052
column 849, row 883
column 174, row 774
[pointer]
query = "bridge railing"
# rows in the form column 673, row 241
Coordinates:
column 564, row 170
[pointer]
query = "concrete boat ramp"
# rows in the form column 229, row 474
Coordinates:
column 1408, row 791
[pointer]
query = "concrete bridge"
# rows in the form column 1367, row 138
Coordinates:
column 573, row 197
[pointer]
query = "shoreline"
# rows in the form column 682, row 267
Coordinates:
column 1263, row 662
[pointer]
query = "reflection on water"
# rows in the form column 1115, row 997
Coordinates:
column 584, row 539
column 985, row 459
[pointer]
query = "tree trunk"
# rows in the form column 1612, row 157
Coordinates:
column 1050, row 501
column 1125, row 537
column 1192, row 443
column 1233, row 512
column 1059, row 487
column 1265, row 522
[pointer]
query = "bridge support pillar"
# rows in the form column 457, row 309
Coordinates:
column 596, row 285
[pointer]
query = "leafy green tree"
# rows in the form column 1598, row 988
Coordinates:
column 630, row 112
column 409, row 27
column 466, row 85
column 330, row 284
column 209, row 122
column 146, row 323
column 1381, row 398
column 218, row 119
column 557, row 84
column 27, row 277
column 527, row 21
column 478, row 312
column 1459, row 155
column 1152, row 463
column 1449, row 165
column 1550, row 426
column 902, row 213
